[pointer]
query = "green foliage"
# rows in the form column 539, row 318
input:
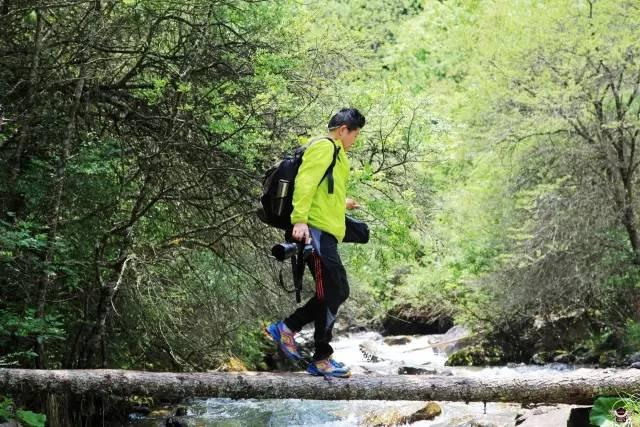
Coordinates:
column 604, row 410
column 6, row 408
column 529, row 220
column 24, row 330
column 29, row 324
column 496, row 169
column 144, row 187
column 31, row 419
column 250, row 345
column 24, row 236
column 9, row 412
column 631, row 337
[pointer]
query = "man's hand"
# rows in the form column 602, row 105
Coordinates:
column 301, row 232
column 352, row 204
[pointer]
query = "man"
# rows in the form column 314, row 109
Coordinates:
column 319, row 217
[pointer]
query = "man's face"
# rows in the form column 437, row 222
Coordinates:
column 348, row 137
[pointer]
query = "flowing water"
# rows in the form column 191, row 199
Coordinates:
column 366, row 353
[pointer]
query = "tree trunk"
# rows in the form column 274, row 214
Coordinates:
column 576, row 387
column 54, row 218
column 15, row 201
column 630, row 219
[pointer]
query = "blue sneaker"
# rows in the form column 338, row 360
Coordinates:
column 335, row 363
column 285, row 340
column 328, row 368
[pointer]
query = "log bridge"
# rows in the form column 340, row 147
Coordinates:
column 580, row 386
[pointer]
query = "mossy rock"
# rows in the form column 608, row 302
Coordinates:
column 608, row 359
column 160, row 412
column 561, row 356
column 394, row 418
column 476, row 356
column 405, row 319
column 233, row 364
column 585, row 355
column 429, row 412
column 541, row 358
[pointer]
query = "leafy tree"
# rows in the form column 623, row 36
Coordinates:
column 545, row 108
column 133, row 130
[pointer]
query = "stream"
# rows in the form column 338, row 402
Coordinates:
column 366, row 353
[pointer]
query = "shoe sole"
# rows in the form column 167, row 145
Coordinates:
column 317, row 373
column 276, row 340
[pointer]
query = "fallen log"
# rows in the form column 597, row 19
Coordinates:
column 581, row 386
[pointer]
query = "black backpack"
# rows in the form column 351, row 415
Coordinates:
column 278, row 183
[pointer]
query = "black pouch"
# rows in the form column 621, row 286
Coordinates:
column 356, row 231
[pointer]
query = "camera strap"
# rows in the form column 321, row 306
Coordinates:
column 329, row 172
column 297, row 270
column 297, row 263
column 281, row 280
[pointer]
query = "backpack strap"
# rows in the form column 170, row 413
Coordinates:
column 329, row 172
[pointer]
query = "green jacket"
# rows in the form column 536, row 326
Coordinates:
column 312, row 203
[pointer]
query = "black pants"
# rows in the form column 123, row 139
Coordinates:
column 332, row 289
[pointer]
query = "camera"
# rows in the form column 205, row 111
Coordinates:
column 283, row 251
column 298, row 253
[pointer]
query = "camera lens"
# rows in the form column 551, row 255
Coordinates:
column 282, row 251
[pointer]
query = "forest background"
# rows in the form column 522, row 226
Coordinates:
column 498, row 171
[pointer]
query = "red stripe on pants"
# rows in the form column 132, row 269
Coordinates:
column 319, row 283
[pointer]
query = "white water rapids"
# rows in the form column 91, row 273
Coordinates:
column 387, row 359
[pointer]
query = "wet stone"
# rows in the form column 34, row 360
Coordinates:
column 633, row 358
column 370, row 351
column 397, row 340
column 415, row 370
